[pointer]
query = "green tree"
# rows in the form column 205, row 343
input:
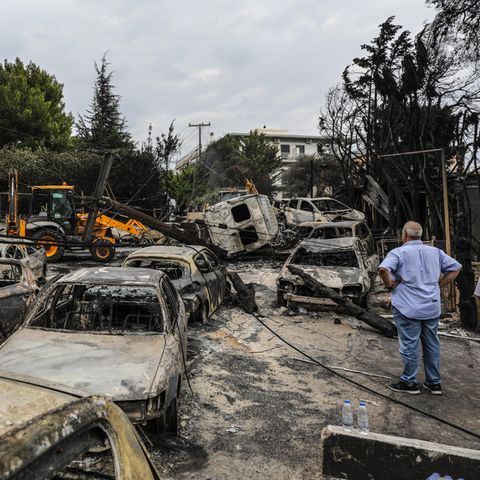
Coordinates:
column 32, row 110
column 167, row 145
column 230, row 160
column 320, row 172
column 103, row 128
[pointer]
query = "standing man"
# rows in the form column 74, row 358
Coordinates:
column 415, row 273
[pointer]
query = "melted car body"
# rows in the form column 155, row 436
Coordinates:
column 195, row 271
column 322, row 209
column 46, row 429
column 18, row 288
column 341, row 264
column 28, row 253
column 117, row 332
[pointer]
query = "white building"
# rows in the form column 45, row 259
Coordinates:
column 290, row 147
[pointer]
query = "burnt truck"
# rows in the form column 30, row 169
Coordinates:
column 239, row 225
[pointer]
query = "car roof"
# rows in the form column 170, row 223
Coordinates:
column 344, row 224
column 318, row 245
column 114, row 276
column 180, row 251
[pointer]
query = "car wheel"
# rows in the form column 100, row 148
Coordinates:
column 281, row 299
column 201, row 314
column 168, row 422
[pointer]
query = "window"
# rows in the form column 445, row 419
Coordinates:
column 248, row 235
column 174, row 270
column 241, row 213
column 306, row 206
column 170, row 301
column 362, row 232
column 40, row 204
column 14, row 251
column 9, row 275
column 214, row 263
column 331, row 258
column 110, row 309
column 293, row 203
column 285, row 150
column 201, row 263
column 300, row 149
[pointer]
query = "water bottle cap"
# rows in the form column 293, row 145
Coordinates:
column 362, row 404
column 346, row 401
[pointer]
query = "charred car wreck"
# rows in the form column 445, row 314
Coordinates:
column 197, row 274
column 46, row 430
column 341, row 264
column 116, row 332
column 18, row 288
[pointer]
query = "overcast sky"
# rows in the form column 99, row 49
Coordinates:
column 238, row 64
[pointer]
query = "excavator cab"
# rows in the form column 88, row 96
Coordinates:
column 53, row 203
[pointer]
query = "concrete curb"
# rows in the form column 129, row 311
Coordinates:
column 356, row 456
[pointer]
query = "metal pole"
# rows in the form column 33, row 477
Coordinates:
column 446, row 213
column 199, row 126
column 311, row 177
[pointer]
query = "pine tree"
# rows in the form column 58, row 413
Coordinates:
column 103, row 128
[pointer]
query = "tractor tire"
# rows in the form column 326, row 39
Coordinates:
column 102, row 251
column 49, row 240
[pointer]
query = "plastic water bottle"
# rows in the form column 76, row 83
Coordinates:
column 347, row 416
column 434, row 476
column 362, row 418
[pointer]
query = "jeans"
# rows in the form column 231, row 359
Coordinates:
column 410, row 333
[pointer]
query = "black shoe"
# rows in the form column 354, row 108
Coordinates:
column 404, row 387
column 434, row 388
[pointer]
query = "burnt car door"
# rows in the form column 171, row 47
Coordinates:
column 176, row 339
column 17, row 289
column 210, row 279
column 305, row 212
column 220, row 272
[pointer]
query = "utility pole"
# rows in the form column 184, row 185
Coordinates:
column 311, row 177
column 199, row 126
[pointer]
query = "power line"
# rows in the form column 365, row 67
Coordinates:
column 199, row 126
column 354, row 382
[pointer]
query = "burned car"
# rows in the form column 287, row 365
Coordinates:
column 349, row 228
column 18, row 288
column 195, row 271
column 341, row 264
column 115, row 332
column 47, row 431
column 27, row 252
column 322, row 209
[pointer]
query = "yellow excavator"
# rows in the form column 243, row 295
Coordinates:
column 55, row 223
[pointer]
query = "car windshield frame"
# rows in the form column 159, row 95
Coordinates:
column 42, row 311
column 327, row 253
column 184, row 264
column 341, row 207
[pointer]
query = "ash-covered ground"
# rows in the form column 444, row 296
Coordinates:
column 256, row 408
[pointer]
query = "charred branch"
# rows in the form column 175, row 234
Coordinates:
column 372, row 319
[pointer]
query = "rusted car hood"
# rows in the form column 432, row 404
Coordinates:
column 334, row 277
column 122, row 367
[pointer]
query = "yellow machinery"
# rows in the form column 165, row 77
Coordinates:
column 54, row 222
